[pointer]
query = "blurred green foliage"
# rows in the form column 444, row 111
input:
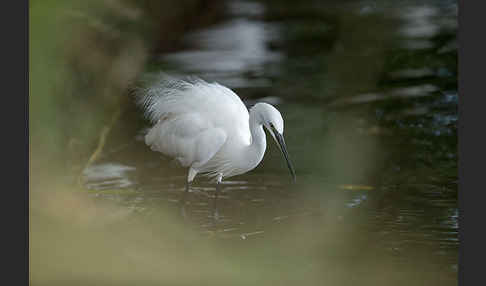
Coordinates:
column 83, row 57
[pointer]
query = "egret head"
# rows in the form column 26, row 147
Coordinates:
column 273, row 122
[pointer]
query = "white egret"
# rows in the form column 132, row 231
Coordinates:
column 207, row 128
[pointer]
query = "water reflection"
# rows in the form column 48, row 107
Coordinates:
column 106, row 176
column 419, row 21
column 232, row 50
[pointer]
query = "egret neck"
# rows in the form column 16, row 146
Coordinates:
column 256, row 149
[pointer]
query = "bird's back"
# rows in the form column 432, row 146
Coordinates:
column 181, row 110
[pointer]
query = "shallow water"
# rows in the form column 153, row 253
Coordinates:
column 368, row 92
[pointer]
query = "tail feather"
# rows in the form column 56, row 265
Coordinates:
column 162, row 94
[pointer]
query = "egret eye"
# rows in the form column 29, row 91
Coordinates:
column 272, row 127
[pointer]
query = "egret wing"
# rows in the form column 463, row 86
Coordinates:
column 218, row 105
column 188, row 138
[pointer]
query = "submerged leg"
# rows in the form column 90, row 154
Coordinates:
column 190, row 176
column 186, row 190
column 215, row 200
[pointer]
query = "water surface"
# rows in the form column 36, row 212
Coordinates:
column 368, row 92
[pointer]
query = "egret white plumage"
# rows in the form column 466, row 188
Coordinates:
column 207, row 128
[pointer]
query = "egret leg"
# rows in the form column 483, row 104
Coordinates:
column 186, row 191
column 188, row 184
column 190, row 176
column 215, row 200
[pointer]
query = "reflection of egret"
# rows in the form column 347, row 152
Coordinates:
column 207, row 128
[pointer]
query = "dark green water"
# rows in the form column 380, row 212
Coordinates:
column 368, row 92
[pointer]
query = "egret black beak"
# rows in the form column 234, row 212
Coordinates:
column 283, row 148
